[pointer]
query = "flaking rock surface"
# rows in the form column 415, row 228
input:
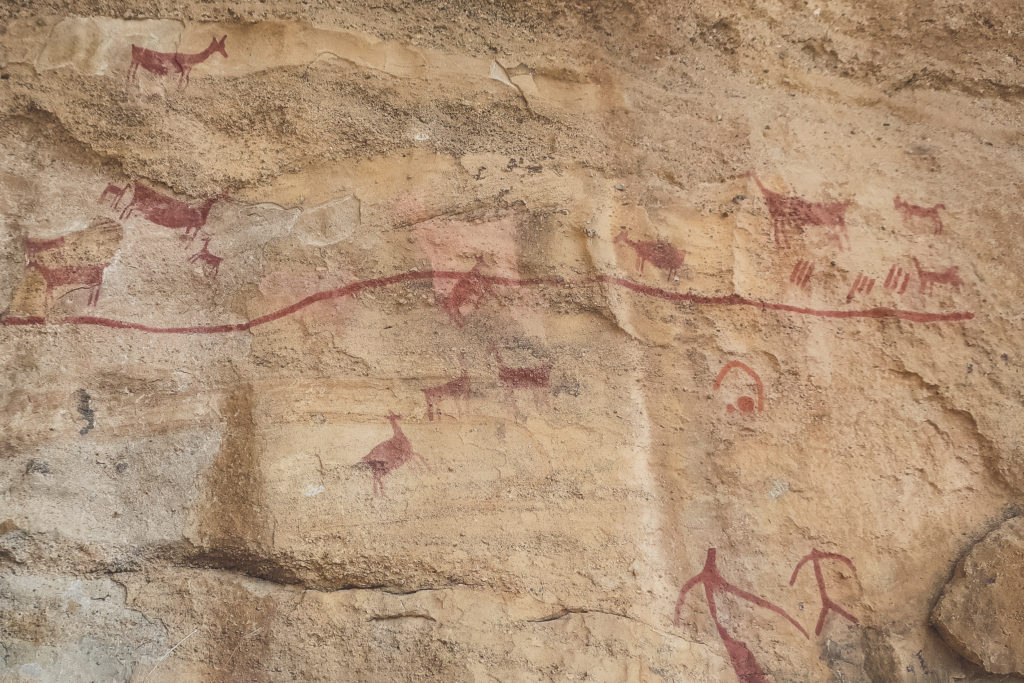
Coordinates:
column 532, row 341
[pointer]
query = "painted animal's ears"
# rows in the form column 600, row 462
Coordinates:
column 223, row 38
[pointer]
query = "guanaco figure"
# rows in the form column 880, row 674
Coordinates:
column 796, row 213
column 911, row 211
column 389, row 455
column 206, row 257
column 660, row 253
column 929, row 278
column 161, row 63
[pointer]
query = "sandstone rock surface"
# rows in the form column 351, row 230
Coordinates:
column 527, row 341
column 981, row 613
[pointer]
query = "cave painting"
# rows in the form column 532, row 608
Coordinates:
column 455, row 390
column 660, row 253
column 862, row 284
column 468, row 291
column 801, row 274
column 389, row 455
column 796, row 213
column 827, row 605
column 928, row 213
column 113, row 191
column 743, row 662
column 73, row 262
column 206, row 258
column 472, row 250
column 169, row 212
column 353, row 288
column 745, row 404
column 536, row 378
column 927, row 279
column 161, row 63
column 897, row 280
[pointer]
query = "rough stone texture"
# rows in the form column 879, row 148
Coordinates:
column 215, row 297
column 981, row 612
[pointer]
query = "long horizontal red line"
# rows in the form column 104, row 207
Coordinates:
column 374, row 283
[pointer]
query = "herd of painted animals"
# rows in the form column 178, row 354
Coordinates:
column 790, row 216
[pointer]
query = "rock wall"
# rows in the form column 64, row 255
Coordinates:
column 511, row 341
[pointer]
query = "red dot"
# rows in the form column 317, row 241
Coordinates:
column 746, row 404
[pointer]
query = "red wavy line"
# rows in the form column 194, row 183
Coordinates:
column 730, row 300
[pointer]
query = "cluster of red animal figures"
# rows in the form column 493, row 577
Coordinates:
column 536, row 378
column 898, row 279
column 163, row 63
column 397, row 450
column 742, row 659
column 795, row 214
column 170, row 213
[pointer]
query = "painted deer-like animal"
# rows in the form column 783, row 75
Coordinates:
column 169, row 212
column 206, row 257
column 162, row 63
column 389, row 455
column 113, row 191
column 468, row 289
column 659, row 252
column 86, row 277
column 911, row 211
column 456, row 389
column 929, row 278
column 797, row 213
column 536, row 378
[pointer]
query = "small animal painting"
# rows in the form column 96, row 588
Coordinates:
column 163, row 63
column 794, row 214
column 456, row 389
column 206, row 257
column 469, row 289
column 168, row 211
column 928, row 213
column 661, row 254
column 927, row 279
column 389, row 455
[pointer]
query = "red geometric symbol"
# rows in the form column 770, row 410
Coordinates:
column 389, row 455
column 816, row 556
column 743, row 662
column 862, row 284
column 897, row 279
column 744, row 403
column 801, row 274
